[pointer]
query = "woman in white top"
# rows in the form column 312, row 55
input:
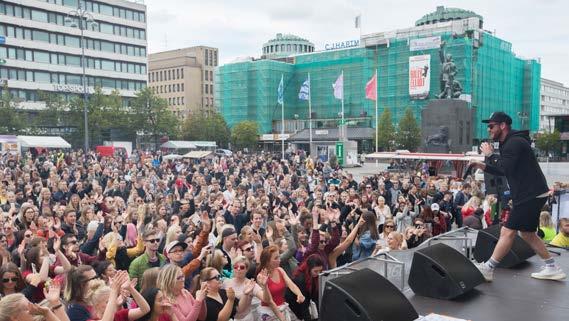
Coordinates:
column 242, row 285
column 382, row 212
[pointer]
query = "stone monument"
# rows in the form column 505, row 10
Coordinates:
column 446, row 125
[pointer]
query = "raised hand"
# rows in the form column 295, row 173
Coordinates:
column 52, row 292
column 230, row 294
column 300, row 298
column 202, row 292
column 262, row 278
column 249, row 287
column 57, row 244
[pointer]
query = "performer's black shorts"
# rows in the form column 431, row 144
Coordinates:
column 525, row 216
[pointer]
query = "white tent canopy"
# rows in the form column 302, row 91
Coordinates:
column 198, row 154
column 43, row 142
column 172, row 156
column 178, row 144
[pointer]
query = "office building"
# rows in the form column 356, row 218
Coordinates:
column 42, row 48
column 184, row 77
column 554, row 103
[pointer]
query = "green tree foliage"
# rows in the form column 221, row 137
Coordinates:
column 386, row 135
column 151, row 114
column 105, row 113
column 408, row 132
column 549, row 142
column 13, row 123
column 202, row 126
column 245, row 135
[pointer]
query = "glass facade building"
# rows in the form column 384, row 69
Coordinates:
column 491, row 75
column 42, row 48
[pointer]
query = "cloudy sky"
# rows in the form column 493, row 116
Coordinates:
column 536, row 28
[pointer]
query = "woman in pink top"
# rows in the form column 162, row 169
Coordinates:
column 184, row 306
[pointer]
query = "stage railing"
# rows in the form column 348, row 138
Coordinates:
column 395, row 265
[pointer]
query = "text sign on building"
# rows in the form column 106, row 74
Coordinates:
column 71, row 88
column 2, row 40
column 340, row 152
column 419, row 76
column 342, row 45
column 424, row 43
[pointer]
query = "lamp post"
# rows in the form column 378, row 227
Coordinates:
column 80, row 18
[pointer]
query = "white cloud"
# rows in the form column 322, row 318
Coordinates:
column 536, row 28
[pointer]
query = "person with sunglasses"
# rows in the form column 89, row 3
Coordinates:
column 150, row 258
column 222, row 304
column 241, row 284
column 171, row 283
column 528, row 190
column 12, row 280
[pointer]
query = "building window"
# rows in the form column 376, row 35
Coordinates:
column 205, row 57
column 206, row 89
column 182, row 86
column 206, row 75
column 182, row 73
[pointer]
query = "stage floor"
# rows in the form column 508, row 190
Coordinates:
column 512, row 296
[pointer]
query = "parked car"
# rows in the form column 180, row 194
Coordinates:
column 223, row 152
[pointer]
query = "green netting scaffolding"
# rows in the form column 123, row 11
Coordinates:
column 489, row 72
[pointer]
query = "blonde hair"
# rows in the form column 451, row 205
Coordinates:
column 241, row 259
column 94, row 291
column 399, row 238
column 171, row 233
column 11, row 305
column 545, row 219
column 215, row 260
column 167, row 279
column 474, row 201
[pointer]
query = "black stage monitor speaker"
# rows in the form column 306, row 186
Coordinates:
column 441, row 272
column 487, row 240
column 364, row 295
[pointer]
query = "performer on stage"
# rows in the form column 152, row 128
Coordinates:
column 528, row 189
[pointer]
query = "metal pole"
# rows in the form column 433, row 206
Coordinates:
column 376, row 117
column 309, row 115
column 282, row 122
column 84, row 78
column 343, row 125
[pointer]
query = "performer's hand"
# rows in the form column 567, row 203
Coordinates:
column 486, row 149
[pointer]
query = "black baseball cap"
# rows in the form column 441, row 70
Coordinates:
column 499, row 117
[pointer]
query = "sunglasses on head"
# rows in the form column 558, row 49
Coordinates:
column 153, row 240
column 6, row 280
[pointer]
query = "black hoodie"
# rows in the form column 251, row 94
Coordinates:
column 518, row 163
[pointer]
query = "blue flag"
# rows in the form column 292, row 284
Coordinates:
column 280, row 91
column 304, row 93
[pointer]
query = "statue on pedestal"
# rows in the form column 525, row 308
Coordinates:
column 450, row 88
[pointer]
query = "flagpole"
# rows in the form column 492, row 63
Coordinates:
column 310, row 115
column 343, row 124
column 376, row 116
column 282, row 121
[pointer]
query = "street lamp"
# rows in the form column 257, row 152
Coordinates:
column 80, row 18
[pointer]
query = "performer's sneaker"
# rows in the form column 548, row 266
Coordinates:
column 549, row 273
column 487, row 272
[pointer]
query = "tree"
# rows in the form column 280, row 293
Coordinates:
column 408, row 132
column 150, row 113
column 245, row 135
column 202, row 126
column 105, row 112
column 386, row 131
column 13, row 122
column 548, row 142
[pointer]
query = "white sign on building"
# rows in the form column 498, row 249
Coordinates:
column 419, row 76
column 424, row 43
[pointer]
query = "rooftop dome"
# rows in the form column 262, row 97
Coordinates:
column 447, row 14
column 285, row 45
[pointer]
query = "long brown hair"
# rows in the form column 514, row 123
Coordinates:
column 76, row 284
column 266, row 257
column 12, row 268
column 370, row 224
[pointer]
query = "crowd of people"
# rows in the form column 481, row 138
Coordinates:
column 245, row 237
